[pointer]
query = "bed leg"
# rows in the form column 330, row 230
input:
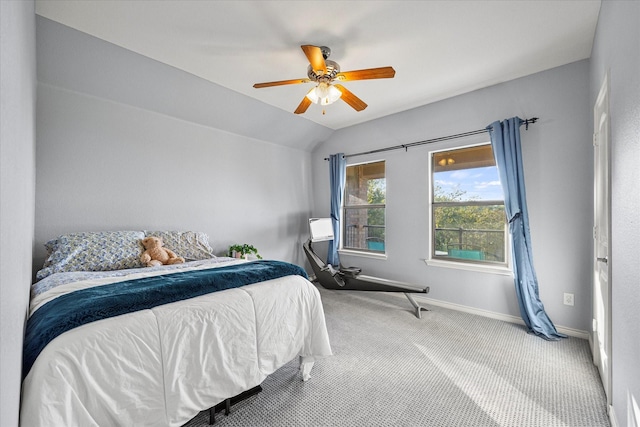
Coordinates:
column 305, row 369
column 226, row 404
column 212, row 411
column 415, row 305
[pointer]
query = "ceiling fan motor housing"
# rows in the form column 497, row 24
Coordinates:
column 333, row 68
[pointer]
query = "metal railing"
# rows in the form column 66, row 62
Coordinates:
column 364, row 237
column 489, row 244
column 456, row 242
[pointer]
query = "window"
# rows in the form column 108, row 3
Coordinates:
column 364, row 208
column 467, row 207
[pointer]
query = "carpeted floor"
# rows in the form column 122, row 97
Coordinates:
column 447, row 369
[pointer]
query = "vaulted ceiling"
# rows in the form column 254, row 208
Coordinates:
column 439, row 49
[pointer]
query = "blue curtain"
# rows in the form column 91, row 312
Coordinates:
column 505, row 141
column 337, row 174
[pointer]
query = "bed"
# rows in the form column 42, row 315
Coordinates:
column 111, row 343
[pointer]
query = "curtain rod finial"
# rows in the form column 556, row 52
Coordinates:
column 527, row 121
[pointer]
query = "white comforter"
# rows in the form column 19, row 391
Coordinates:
column 162, row 366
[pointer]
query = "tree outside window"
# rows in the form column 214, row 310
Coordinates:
column 468, row 219
column 364, row 207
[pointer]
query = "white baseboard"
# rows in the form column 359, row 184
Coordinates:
column 499, row 316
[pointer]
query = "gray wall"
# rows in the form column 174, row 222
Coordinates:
column 17, row 186
column 123, row 143
column 74, row 60
column 617, row 51
column 558, row 163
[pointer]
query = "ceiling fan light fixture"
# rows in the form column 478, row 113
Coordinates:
column 324, row 94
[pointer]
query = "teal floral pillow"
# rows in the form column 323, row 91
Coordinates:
column 93, row 251
column 190, row 245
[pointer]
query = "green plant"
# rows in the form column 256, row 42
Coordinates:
column 243, row 250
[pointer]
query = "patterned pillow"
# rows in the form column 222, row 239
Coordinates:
column 190, row 245
column 93, row 251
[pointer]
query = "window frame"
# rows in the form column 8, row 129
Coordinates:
column 362, row 251
column 462, row 264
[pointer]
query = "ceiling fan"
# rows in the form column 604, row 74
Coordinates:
column 324, row 72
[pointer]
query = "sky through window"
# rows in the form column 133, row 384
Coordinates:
column 476, row 184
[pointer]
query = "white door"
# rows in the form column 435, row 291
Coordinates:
column 601, row 236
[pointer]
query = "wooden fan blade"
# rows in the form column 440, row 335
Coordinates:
column 281, row 83
column 303, row 106
column 314, row 55
column 369, row 73
column 348, row 97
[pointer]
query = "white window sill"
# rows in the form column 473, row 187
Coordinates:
column 362, row 254
column 493, row 269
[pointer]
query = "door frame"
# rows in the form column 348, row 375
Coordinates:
column 601, row 115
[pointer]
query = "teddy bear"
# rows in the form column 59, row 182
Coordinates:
column 155, row 254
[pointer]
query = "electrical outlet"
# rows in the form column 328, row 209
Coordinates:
column 568, row 299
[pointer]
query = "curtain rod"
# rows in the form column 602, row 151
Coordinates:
column 526, row 122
